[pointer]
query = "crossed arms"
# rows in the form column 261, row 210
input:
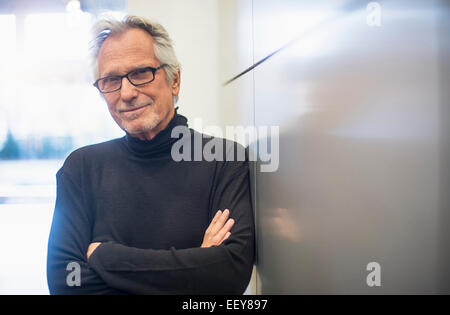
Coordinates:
column 217, row 232
column 221, row 265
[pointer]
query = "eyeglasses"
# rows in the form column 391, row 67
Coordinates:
column 136, row 77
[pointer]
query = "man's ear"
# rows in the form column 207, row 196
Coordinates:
column 176, row 84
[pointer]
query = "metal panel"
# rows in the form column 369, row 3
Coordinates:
column 363, row 146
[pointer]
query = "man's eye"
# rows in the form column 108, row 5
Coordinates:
column 143, row 71
column 111, row 79
column 140, row 72
column 144, row 74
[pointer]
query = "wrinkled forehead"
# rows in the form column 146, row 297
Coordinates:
column 125, row 51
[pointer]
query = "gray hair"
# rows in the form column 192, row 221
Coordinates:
column 162, row 44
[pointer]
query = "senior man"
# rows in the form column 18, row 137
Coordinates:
column 128, row 217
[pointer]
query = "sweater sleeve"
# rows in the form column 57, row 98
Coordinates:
column 70, row 236
column 223, row 269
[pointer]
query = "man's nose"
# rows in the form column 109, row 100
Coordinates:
column 128, row 90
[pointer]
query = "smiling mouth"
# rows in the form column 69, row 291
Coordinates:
column 133, row 109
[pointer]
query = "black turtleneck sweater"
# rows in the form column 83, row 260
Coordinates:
column 150, row 214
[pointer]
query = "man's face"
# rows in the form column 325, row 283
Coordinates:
column 142, row 110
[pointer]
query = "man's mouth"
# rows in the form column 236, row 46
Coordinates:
column 133, row 109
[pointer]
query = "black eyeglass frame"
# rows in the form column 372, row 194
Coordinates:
column 153, row 70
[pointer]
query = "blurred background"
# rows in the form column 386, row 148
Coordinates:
column 359, row 90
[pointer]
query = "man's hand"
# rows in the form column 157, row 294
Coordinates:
column 91, row 249
column 219, row 229
column 217, row 232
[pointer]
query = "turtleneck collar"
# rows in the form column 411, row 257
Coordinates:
column 160, row 144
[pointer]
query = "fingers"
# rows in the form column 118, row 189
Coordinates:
column 218, row 230
column 224, row 231
column 214, row 221
column 220, row 222
column 227, row 235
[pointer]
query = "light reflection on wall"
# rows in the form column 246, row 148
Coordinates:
column 290, row 26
